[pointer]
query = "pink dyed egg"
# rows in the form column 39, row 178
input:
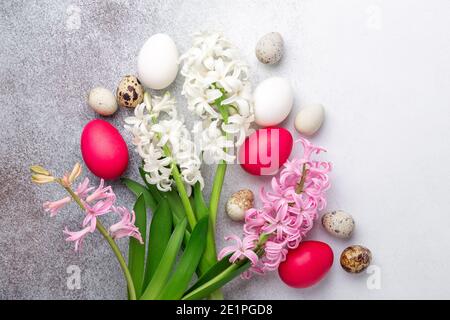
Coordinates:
column 265, row 151
column 104, row 150
column 307, row 264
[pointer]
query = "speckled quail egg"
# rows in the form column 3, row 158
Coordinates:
column 269, row 49
column 102, row 101
column 130, row 92
column 238, row 203
column 355, row 259
column 338, row 223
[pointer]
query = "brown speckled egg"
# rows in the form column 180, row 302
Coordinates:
column 269, row 48
column 239, row 203
column 339, row 224
column 130, row 92
column 355, row 259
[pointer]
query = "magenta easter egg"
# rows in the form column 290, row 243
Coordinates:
column 103, row 149
column 307, row 264
column 265, row 151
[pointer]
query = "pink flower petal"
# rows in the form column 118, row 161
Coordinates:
column 77, row 236
column 55, row 206
column 125, row 227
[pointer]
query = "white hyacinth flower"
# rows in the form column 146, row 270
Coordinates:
column 164, row 104
column 213, row 143
column 152, row 135
column 217, row 88
column 238, row 126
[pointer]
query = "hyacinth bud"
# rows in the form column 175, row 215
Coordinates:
column 76, row 171
column 147, row 99
column 42, row 178
column 39, row 170
column 68, row 179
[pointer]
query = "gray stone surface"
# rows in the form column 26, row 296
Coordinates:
column 374, row 64
column 52, row 54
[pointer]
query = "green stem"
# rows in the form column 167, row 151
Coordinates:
column 112, row 244
column 301, row 183
column 219, row 176
column 181, row 190
column 213, row 206
column 184, row 197
column 216, row 191
column 216, row 295
column 123, row 264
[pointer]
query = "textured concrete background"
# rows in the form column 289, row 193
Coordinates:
column 381, row 68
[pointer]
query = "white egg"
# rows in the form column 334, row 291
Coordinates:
column 309, row 119
column 158, row 62
column 273, row 100
column 102, row 101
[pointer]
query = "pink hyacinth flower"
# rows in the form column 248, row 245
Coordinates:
column 125, row 227
column 101, row 193
column 289, row 209
column 308, row 149
column 242, row 249
column 54, row 206
column 83, row 188
column 280, row 223
column 274, row 254
column 254, row 221
column 258, row 269
column 291, row 172
column 98, row 209
column 77, row 236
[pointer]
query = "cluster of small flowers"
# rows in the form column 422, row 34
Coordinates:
column 216, row 78
column 288, row 212
column 154, row 134
column 96, row 203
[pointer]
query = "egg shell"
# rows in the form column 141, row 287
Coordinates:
column 239, row 203
column 130, row 92
column 103, row 149
column 158, row 62
column 266, row 150
column 102, row 101
column 339, row 224
column 355, row 259
column 306, row 265
column 273, row 99
column 309, row 119
column 269, row 49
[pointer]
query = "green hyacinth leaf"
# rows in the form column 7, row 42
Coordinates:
column 159, row 235
column 136, row 250
column 138, row 189
column 165, row 266
column 185, row 269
